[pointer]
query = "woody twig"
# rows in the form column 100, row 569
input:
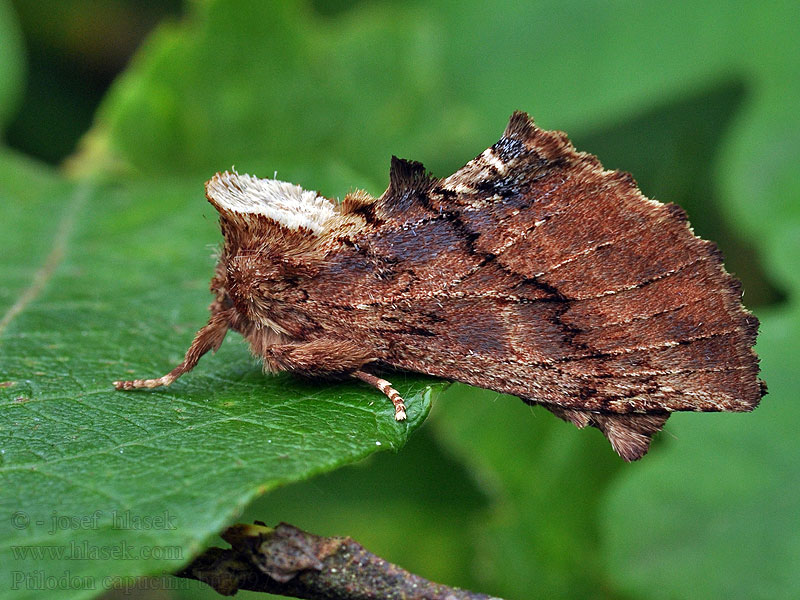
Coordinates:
column 288, row 561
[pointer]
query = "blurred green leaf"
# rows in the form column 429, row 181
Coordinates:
column 545, row 480
column 718, row 505
column 118, row 277
column 275, row 84
column 269, row 86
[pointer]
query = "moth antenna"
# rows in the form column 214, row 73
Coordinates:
column 208, row 338
column 386, row 388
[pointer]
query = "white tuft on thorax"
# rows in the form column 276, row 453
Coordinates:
column 286, row 203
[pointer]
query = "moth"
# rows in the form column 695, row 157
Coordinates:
column 531, row 271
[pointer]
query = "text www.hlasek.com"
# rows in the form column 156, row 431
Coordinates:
column 83, row 550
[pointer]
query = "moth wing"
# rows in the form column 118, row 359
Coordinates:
column 534, row 271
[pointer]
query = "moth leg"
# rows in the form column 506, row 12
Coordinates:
column 316, row 358
column 386, row 388
column 208, row 338
column 330, row 357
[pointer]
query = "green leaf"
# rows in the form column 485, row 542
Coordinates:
column 112, row 285
column 544, row 480
column 222, row 88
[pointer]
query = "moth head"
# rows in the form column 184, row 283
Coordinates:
column 270, row 229
column 250, row 286
column 264, row 290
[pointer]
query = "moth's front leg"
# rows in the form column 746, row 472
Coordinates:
column 208, row 338
column 326, row 357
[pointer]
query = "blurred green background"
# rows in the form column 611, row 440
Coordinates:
column 697, row 100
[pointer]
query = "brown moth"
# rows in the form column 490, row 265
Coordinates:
column 531, row 271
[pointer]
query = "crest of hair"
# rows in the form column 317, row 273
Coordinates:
column 285, row 203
